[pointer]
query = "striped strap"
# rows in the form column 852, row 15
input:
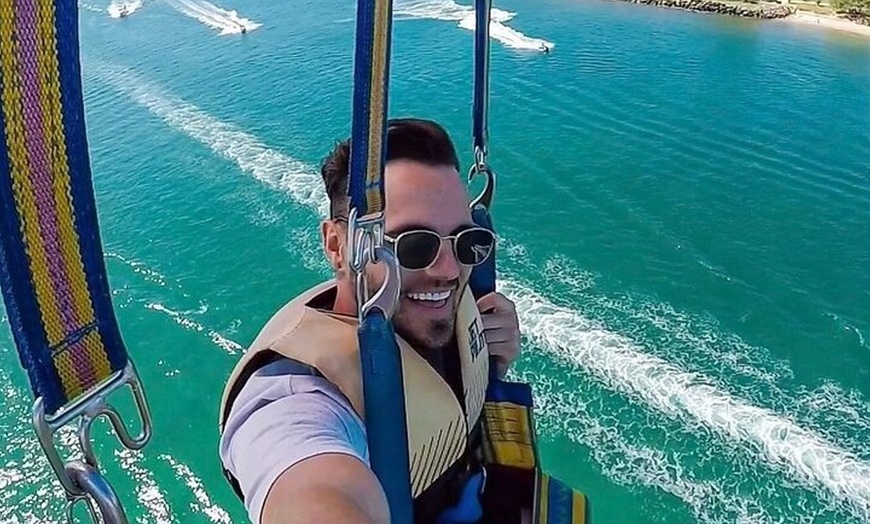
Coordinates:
column 371, row 86
column 52, row 273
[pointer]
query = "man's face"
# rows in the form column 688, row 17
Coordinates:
column 432, row 198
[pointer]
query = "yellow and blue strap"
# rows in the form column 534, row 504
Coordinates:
column 52, row 273
column 381, row 366
column 557, row 503
column 509, row 442
column 370, row 93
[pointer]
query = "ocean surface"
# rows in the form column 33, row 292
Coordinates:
column 684, row 217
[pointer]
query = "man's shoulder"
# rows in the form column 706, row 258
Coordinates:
column 294, row 383
column 280, row 418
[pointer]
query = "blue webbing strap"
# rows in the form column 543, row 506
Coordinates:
column 381, row 365
column 370, row 93
column 52, row 273
column 481, row 73
column 384, row 399
column 52, row 270
column 482, row 279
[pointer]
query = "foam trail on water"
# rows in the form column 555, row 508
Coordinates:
column 147, row 490
column 681, row 394
column 87, row 7
column 562, row 410
column 121, row 9
column 181, row 319
column 228, row 22
column 449, row 10
column 275, row 169
column 214, row 512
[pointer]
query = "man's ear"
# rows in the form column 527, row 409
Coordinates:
column 333, row 239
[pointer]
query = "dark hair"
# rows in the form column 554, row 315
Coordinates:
column 407, row 139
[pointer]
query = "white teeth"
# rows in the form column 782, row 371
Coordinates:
column 434, row 297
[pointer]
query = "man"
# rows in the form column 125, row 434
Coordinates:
column 293, row 440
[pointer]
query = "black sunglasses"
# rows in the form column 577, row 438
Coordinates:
column 418, row 249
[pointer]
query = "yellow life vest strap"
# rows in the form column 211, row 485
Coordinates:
column 510, row 455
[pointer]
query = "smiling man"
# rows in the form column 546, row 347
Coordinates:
column 293, row 439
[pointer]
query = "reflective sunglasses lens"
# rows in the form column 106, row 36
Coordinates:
column 417, row 249
column 473, row 246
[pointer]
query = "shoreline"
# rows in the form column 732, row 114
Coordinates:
column 787, row 12
column 828, row 22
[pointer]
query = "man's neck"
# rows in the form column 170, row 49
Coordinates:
column 345, row 300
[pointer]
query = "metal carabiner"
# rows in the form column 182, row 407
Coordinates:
column 95, row 488
column 363, row 236
column 91, row 405
column 386, row 298
column 480, row 166
column 365, row 240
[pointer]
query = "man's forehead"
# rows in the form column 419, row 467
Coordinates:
column 425, row 195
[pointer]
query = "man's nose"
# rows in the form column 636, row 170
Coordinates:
column 445, row 267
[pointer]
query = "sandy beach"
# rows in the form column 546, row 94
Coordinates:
column 828, row 22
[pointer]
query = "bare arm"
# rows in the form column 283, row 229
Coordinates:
column 330, row 488
column 300, row 454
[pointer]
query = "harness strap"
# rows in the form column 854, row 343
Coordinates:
column 383, row 393
column 371, row 87
column 52, row 271
column 481, row 74
column 482, row 280
column 54, row 277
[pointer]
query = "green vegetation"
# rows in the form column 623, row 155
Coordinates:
column 857, row 7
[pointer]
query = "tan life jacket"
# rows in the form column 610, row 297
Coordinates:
column 438, row 426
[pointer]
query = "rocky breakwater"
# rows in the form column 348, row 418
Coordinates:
column 766, row 11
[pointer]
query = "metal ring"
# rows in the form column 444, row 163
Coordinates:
column 97, row 488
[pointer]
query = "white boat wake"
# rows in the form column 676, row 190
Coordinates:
column 122, row 9
column 227, row 22
column 449, row 10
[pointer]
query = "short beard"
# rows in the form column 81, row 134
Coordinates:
column 431, row 350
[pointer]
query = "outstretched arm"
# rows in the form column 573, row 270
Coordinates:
column 329, row 488
column 300, row 454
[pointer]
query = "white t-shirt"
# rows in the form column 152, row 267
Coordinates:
column 280, row 419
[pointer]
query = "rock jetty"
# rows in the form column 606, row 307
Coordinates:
column 766, row 12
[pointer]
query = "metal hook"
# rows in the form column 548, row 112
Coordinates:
column 106, row 410
column 485, row 197
column 89, row 406
column 480, row 166
column 386, row 298
column 94, row 487
column 71, row 504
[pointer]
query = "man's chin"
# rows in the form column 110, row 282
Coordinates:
column 435, row 338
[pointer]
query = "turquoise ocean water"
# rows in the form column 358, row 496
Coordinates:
column 684, row 210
